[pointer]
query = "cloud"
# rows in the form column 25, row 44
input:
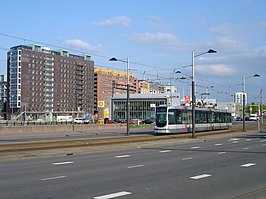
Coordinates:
column 119, row 20
column 154, row 38
column 156, row 22
column 221, row 70
column 260, row 52
column 78, row 44
column 229, row 45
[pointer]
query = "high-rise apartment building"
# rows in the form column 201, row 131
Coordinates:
column 144, row 87
column 43, row 82
column 3, row 95
column 109, row 82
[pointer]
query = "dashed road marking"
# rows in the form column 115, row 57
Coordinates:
column 218, row 144
column 136, row 166
column 122, row 156
column 248, row 165
column 53, row 178
column 246, row 148
column 195, row 147
column 189, row 158
column 200, row 176
column 233, row 139
column 223, row 152
column 113, row 195
column 62, row 163
column 165, row 151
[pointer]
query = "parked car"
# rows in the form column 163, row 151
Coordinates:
column 239, row 119
column 147, row 121
column 253, row 117
column 81, row 121
column 110, row 122
column 119, row 121
column 247, row 118
column 130, row 121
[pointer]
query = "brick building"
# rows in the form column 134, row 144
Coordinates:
column 46, row 83
column 110, row 82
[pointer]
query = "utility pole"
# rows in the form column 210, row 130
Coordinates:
column 261, row 106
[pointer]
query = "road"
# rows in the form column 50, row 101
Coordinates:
column 225, row 167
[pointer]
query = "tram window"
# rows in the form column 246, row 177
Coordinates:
column 188, row 117
column 174, row 117
column 161, row 117
column 204, row 117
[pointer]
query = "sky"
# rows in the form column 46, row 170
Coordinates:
column 158, row 37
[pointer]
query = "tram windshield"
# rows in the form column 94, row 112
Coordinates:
column 161, row 113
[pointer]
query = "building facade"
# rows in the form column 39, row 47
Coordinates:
column 3, row 94
column 45, row 83
column 142, row 106
column 109, row 82
column 156, row 87
column 144, row 87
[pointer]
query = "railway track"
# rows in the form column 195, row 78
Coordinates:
column 90, row 142
column 74, row 143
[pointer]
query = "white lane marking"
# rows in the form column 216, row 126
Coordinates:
column 189, row 158
column 62, row 163
column 200, row 176
column 223, row 152
column 246, row 148
column 218, row 144
column 136, row 166
column 248, row 165
column 113, row 195
column 195, row 147
column 165, row 151
column 233, row 139
column 235, row 142
column 263, row 141
column 248, row 139
column 53, row 178
column 122, row 156
column 263, row 145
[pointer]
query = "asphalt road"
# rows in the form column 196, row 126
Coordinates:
column 228, row 167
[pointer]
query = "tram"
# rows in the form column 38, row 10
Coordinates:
column 178, row 119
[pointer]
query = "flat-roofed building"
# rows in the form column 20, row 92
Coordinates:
column 109, row 82
column 142, row 106
column 44, row 83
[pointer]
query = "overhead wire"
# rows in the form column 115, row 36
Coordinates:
column 157, row 69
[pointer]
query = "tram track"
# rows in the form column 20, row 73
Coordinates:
column 75, row 143
column 6, row 148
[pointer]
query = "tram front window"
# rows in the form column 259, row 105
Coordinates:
column 161, row 116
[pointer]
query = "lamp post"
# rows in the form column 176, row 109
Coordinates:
column 193, row 88
column 11, row 105
column 244, row 99
column 127, row 106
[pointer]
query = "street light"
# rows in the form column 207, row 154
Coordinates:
column 244, row 100
column 193, row 88
column 127, row 107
